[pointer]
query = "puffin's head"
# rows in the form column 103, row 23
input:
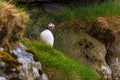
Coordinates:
column 51, row 26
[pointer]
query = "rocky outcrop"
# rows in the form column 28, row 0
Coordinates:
column 16, row 62
column 85, row 49
column 20, row 65
column 107, row 30
column 96, row 44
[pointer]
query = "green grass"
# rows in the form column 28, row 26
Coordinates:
column 53, row 58
column 90, row 13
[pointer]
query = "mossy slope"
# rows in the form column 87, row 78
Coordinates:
column 68, row 68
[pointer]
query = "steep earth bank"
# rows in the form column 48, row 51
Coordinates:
column 95, row 44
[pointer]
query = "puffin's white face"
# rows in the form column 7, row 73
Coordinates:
column 51, row 26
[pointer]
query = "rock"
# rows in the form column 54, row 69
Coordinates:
column 113, row 59
column 85, row 49
column 102, row 46
column 18, row 64
column 107, row 31
column 115, row 66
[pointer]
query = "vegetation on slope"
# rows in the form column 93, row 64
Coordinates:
column 72, row 17
column 51, row 58
column 90, row 13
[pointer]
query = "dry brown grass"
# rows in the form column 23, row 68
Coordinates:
column 12, row 23
column 106, row 29
column 74, row 24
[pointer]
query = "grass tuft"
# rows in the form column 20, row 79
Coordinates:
column 12, row 24
column 90, row 13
